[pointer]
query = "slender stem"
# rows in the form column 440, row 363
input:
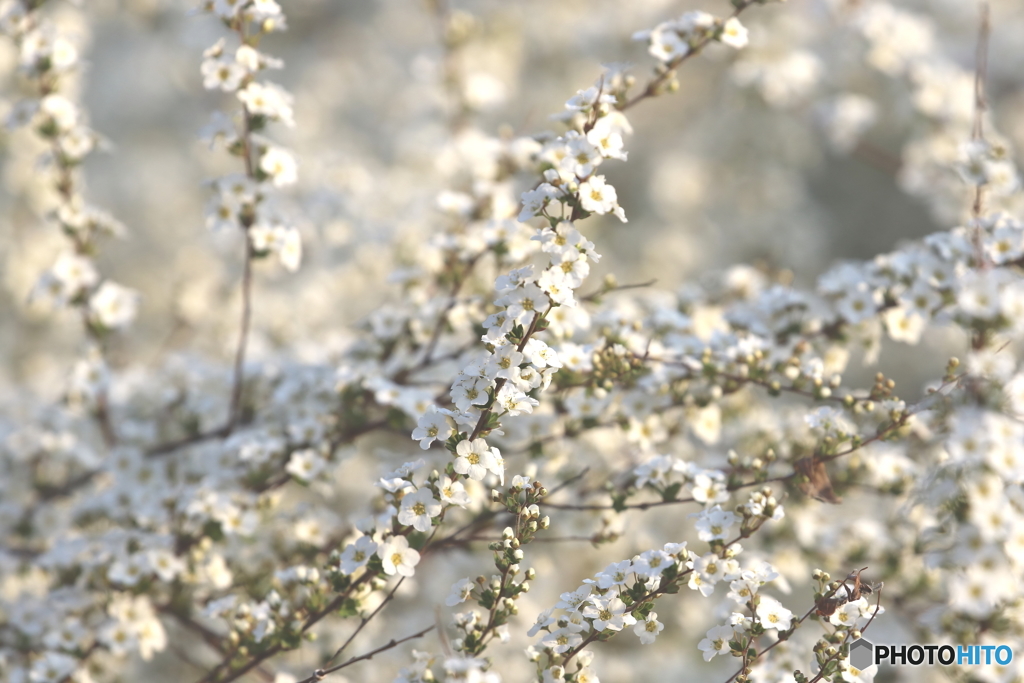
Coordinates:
column 366, row 620
column 978, row 127
column 320, row 674
column 243, row 337
column 617, row 288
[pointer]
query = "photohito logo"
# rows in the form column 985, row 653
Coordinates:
column 864, row 653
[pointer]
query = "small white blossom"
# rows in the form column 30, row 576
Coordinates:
column 398, row 557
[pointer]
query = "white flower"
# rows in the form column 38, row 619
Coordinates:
column 616, row 574
column 581, row 157
column 305, row 464
column 596, row 196
column 430, row 426
column 563, row 239
column 772, row 614
column 608, row 613
column 113, row 306
column 285, row 241
column 665, row 43
column 130, row 571
column 452, row 492
column 504, row 360
column 854, row 614
column 60, row 111
column 535, row 200
column 707, row 572
column 852, row 674
column 165, row 564
column 474, row 459
column 649, row 628
column 716, row 642
column 524, row 302
column 653, row 563
column 714, row 523
column 280, row 166
column 572, row 601
column 418, row 509
column 268, row 99
column 558, row 288
column 221, row 73
column 734, row 34
column 904, row 325
column 709, row 489
column 561, row 640
column 584, row 100
column 289, row 248
column 357, row 554
column 460, row 592
column 398, row 557
column 74, row 273
column 606, row 136
column 513, row 401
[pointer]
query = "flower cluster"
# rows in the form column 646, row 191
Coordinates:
column 670, row 41
column 49, row 62
column 245, row 200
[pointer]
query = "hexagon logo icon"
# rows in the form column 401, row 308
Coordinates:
column 862, row 654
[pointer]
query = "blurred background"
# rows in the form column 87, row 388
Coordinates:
column 801, row 150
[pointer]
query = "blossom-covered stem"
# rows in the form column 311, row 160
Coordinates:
column 822, row 672
column 48, row 494
column 319, row 674
column 656, row 85
column 489, row 514
column 310, row 621
column 209, row 637
column 233, row 673
column 243, row 333
column 60, row 125
column 500, row 382
column 879, row 436
column 786, row 635
column 652, row 595
column 771, row 385
column 214, row 675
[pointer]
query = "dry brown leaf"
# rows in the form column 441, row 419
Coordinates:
column 817, row 484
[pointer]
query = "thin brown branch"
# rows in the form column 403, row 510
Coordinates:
column 654, row 86
column 616, row 288
column 234, row 412
column 366, row 620
column 320, row 674
column 981, row 73
column 978, row 127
